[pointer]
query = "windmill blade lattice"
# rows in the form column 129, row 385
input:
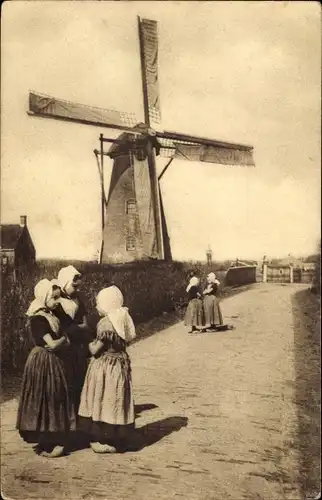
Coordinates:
column 193, row 150
column 149, row 60
column 50, row 107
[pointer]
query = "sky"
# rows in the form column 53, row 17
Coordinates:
column 246, row 72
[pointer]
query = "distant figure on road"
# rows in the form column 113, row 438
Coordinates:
column 46, row 413
column 106, row 409
column 212, row 312
column 194, row 313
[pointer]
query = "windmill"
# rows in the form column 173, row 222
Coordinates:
column 133, row 221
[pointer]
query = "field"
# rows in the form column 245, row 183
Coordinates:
column 151, row 289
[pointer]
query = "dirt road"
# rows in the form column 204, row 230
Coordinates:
column 215, row 412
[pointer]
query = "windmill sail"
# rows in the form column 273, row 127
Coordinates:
column 149, row 60
column 151, row 99
column 192, row 148
column 50, row 107
column 211, row 154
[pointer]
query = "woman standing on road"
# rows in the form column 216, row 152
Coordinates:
column 212, row 311
column 194, row 313
column 69, row 280
column 45, row 414
column 107, row 408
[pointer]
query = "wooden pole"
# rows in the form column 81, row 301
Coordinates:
column 155, row 200
column 165, row 169
column 100, row 175
column 102, row 183
column 102, row 195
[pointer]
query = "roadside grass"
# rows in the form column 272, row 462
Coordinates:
column 307, row 338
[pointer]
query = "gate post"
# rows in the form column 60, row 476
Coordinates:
column 291, row 274
column 264, row 272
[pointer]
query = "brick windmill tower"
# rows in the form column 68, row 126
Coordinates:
column 133, row 221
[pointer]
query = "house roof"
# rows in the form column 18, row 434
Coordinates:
column 289, row 260
column 10, row 234
column 247, row 262
column 278, row 266
column 308, row 265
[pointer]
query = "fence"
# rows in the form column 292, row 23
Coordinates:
column 306, row 275
column 278, row 274
column 287, row 274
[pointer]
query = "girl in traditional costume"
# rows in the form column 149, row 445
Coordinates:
column 46, row 414
column 194, row 313
column 106, row 409
column 212, row 312
column 69, row 281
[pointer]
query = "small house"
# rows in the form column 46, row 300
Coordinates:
column 288, row 271
column 17, row 248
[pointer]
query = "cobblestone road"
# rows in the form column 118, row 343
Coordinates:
column 215, row 413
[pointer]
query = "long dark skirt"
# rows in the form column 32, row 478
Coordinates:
column 76, row 362
column 194, row 314
column 212, row 312
column 45, row 410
